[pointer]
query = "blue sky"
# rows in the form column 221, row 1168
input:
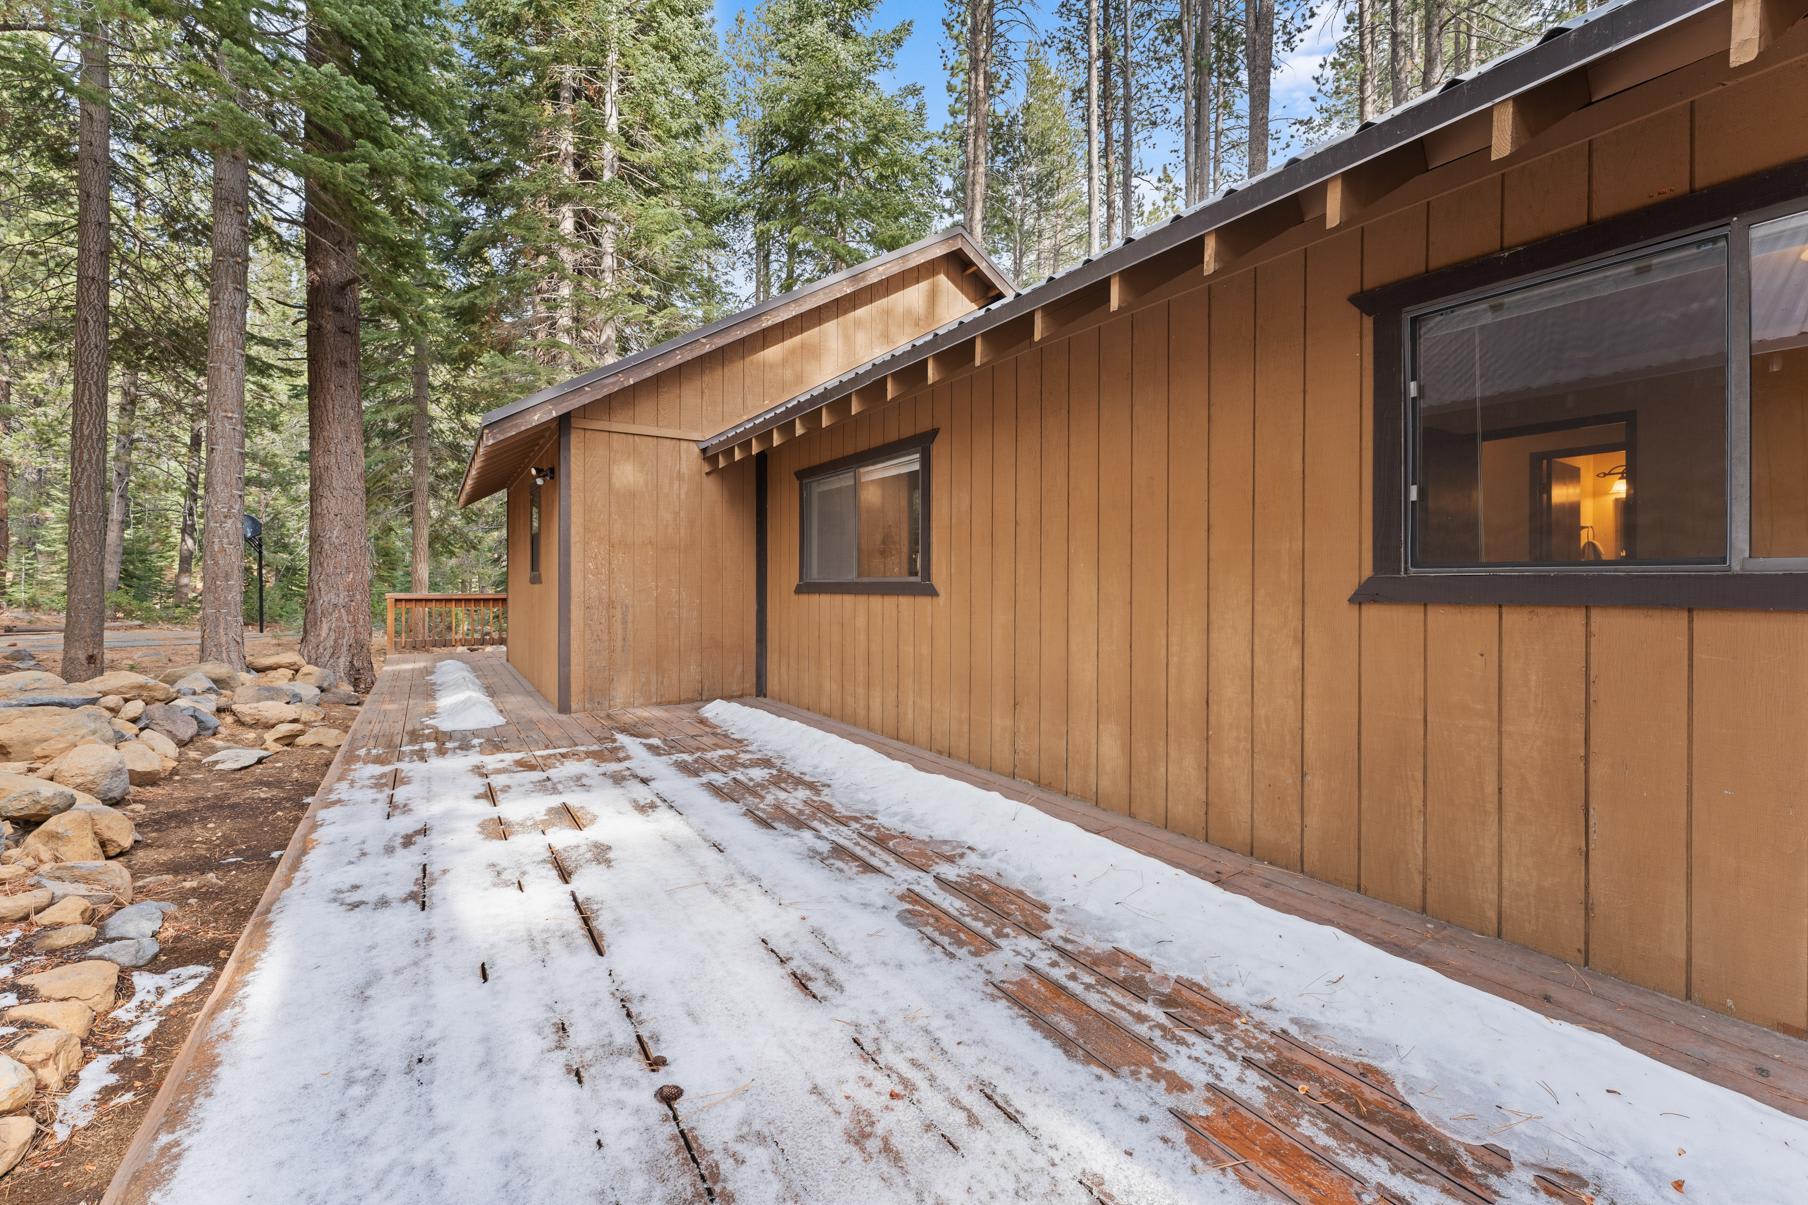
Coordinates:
column 920, row 62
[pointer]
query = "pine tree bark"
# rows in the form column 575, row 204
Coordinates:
column 1398, row 49
column 124, row 435
column 1108, row 98
column 1432, row 68
column 420, row 563
column 84, row 621
column 1259, row 64
column 191, row 491
column 6, row 426
column 1365, row 60
column 1092, row 128
column 336, row 627
column 979, row 111
column 567, row 317
column 223, row 527
column 1127, row 143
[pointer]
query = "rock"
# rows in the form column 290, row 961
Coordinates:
column 131, row 710
column 317, row 677
column 53, row 696
column 17, row 1084
column 23, row 904
column 16, row 1134
column 262, row 662
column 304, row 694
column 23, row 797
column 69, row 837
column 70, row 910
column 321, row 738
column 265, row 715
column 280, row 736
column 144, row 765
column 206, row 723
column 140, row 920
column 30, row 679
column 112, row 703
column 236, row 758
column 128, row 685
column 100, row 771
column 344, row 698
column 112, row 828
column 217, row 672
column 260, row 692
column 52, row 1054
column 62, row 937
column 12, row 874
column 126, row 729
column 308, row 713
column 194, row 684
column 66, row 1015
column 159, row 744
column 98, row 882
column 89, row 982
column 277, row 677
column 176, row 723
column 199, row 704
column 41, row 733
column 129, row 951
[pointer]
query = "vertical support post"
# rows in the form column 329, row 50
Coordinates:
column 760, row 529
column 389, row 625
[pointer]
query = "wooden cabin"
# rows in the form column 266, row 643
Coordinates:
column 1428, row 515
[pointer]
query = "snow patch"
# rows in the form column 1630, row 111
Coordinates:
column 1477, row 1066
column 152, row 994
column 460, row 701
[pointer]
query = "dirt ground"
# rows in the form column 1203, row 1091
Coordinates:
column 208, row 841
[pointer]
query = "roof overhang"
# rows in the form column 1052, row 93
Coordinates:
column 510, row 436
column 1501, row 108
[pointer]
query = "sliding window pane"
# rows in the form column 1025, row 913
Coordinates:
column 1779, row 388
column 1577, row 419
column 829, row 528
column 891, row 526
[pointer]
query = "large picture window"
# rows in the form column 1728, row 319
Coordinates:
column 1561, row 425
column 864, row 523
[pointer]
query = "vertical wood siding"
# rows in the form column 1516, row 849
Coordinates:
column 1144, row 536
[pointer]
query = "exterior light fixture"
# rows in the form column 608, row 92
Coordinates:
column 542, row 476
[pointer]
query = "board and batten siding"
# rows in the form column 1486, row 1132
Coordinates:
column 533, row 643
column 662, row 594
column 1144, row 536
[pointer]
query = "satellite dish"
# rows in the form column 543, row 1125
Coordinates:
column 254, row 529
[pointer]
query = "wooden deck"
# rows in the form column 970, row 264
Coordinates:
column 1314, row 1127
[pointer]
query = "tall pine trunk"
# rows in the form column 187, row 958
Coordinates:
column 1398, row 48
column 6, row 426
column 84, row 623
column 1258, row 32
column 979, row 111
column 222, row 528
column 1433, row 66
column 336, row 628
column 1127, row 174
column 124, row 435
column 1108, row 120
column 1365, row 60
column 420, row 564
column 1092, row 128
column 567, row 316
column 191, row 496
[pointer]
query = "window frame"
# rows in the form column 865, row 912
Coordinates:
column 1738, row 580
column 922, row 583
column 534, row 524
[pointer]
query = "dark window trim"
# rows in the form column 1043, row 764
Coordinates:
column 1713, row 586
column 919, row 585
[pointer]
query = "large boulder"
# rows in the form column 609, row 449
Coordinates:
column 144, row 765
column 100, row 770
column 316, row 676
column 53, row 696
column 261, row 692
column 41, row 733
column 98, row 882
column 128, row 685
column 265, row 715
column 31, row 799
column 52, row 1055
column 112, row 828
column 69, row 837
column 17, row 1084
column 28, row 679
column 22, row 904
column 89, row 982
column 262, row 662
column 175, row 723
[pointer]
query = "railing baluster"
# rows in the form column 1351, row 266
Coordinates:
column 424, row 621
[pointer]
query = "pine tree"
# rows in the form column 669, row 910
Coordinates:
column 836, row 168
column 1038, row 191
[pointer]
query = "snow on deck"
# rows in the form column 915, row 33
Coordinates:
column 665, row 956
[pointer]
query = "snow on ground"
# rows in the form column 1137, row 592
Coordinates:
column 460, row 701
column 152, row 994
column 1483, row 1068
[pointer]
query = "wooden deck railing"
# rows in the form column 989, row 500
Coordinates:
column 430, row 621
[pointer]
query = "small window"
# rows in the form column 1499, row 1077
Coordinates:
column 1579, row 421
column 533, row 530
column 864, row 522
